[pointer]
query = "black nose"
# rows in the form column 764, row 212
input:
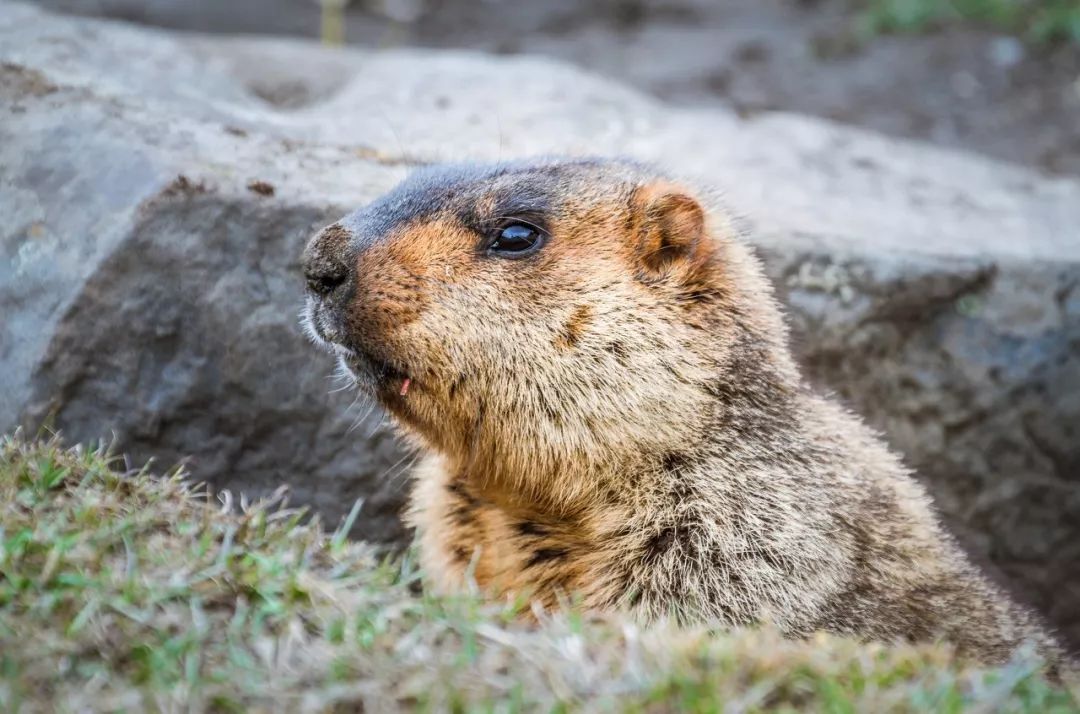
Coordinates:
column 324, row 282
column 324, row 261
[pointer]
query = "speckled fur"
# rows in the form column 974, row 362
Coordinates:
column 618, row 416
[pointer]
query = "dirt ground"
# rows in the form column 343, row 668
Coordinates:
column 965, row 87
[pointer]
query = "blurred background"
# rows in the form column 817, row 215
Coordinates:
column 1001, row 77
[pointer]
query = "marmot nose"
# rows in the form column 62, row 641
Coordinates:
column 324, row 261
column 322, row 279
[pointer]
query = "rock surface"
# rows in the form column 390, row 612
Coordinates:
column 965, row 85
column 157, row 190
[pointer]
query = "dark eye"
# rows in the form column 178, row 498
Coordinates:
column 516, row 240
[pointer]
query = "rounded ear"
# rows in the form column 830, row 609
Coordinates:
column 670, row 227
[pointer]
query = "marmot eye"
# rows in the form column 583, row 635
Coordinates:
column 516, row 240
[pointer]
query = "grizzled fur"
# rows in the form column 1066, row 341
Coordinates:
column 617, row 415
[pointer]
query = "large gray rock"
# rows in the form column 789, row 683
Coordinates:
column 157, row 190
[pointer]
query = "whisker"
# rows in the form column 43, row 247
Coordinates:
column 372, row 404
column 403, row 473
column 386, row 474
column 377, row 425
column 342, row 388
column 357, row 422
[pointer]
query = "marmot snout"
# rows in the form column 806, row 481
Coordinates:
column 600, row 376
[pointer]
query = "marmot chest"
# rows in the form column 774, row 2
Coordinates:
column 504, row 548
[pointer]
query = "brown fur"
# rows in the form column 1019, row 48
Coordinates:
column 618, row 416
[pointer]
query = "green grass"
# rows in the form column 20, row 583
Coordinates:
column 1036, row 21
column 122, row 591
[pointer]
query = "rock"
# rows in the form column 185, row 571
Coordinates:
column 150, row 293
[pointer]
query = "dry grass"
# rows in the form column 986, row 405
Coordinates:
column 121, row 591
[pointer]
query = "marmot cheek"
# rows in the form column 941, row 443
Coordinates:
column 379, row 312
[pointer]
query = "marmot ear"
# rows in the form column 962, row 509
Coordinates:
column 669, row 226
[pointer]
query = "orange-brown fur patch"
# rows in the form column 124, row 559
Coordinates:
column 573, row 328
column 400, row 272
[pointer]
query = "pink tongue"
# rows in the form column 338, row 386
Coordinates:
column 405, row 386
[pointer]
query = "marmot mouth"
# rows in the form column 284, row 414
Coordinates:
column 377, row 375
column 381, row 374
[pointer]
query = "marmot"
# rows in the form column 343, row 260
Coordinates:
column 599, row 374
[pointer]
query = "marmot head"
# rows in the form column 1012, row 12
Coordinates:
column 533, row 317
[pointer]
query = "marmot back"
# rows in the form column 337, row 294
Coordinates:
column 599, row 374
